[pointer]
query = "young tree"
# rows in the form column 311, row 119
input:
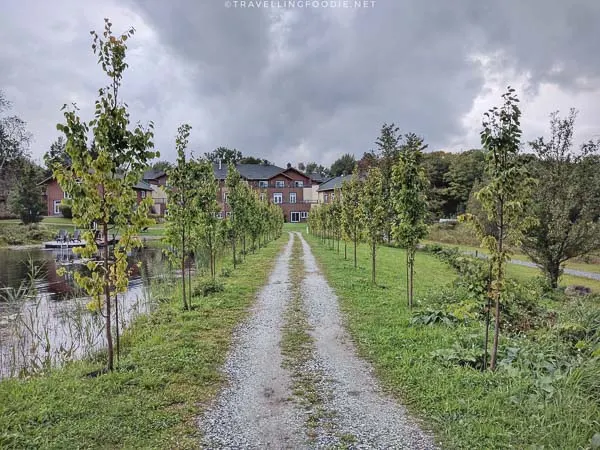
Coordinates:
column 209, row 225
column 504, row 198
column 101, row 183
column 566, row 201
column 180, row 203
column 373, row 212
column 26, row 200
column 409, row 186
column 236, row 201
column 351, row 215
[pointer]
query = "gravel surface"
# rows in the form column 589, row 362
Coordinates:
column 255, row 411
column 364, row 416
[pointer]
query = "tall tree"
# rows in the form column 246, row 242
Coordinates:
column 409, row 187
column 351, row 215
column 226, row 155
column 161, row 166
column 373, row 212
column 101, row 183
column 57, row 154
column 236, row 201
column 344, row 165
column 210, row 225
column 254, row 160
column 180, row 204
column 465, row 169
column 14, row 137
column 388, row 145
column 566, row 201
column 504, row 198
column 26, row 200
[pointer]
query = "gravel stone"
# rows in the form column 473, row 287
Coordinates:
column 366, row 417
column 255, row 410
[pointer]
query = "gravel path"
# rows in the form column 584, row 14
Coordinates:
column 255, row 410
column 364, row 416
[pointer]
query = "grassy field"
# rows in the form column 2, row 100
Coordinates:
column 170, row 370
column 462, row 237
column 12, row 232
column 465, row 408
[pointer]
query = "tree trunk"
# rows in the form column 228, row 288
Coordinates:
column 407, row 281
column 244, row 245
column 117, row 329
column 373, row 249
column 497, row 293
column 338, row 245
column 345, row 252
column 109, row 340
column 234, row 259
column 412, row 276
column 355, row 243
column 553, row 273
column 191, row 258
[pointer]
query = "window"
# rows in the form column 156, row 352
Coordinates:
column 299, row 183
column 294, row 217
column 263, row 184
column 278, row 198
column 304, row 214
column 262, row 196
column 325, row 197
column 219, row 215
column 143, row 194
column 66, row 195
column 279, row 183
column 225, row 197
column 56, row 207
column 228, row 214
column 292, row 197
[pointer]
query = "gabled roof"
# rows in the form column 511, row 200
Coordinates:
column 249, row 171
column 142, row 186
column 153, row 174
column 333, row 183
column 316, row 177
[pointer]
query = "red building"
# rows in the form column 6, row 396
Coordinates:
column 54, row 195
column 289, row 188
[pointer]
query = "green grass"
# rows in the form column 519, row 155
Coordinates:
column 172, row 359
column 462, row 237
column 465, row 408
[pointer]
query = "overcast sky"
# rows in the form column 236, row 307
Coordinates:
column 307, row 83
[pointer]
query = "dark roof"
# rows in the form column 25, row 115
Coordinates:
column 333, row 183
column 249, row 171
column 317, row 177
column 153, row 174
column 142, row 186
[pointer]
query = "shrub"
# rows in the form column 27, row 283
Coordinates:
column 207, row 287
column 66, row 211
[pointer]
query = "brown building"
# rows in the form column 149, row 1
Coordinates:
column 326, row 191
column 54, row 195
column 289, row 188
column 157, row 179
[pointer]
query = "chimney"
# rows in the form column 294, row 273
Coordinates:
column 219, row 163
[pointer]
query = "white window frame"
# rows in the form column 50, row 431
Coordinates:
column 292, row 215
column 143, row 194
column 293, row 197
column 56, row 207
column 66, row 195
column 262, row 196
column 228, row 214
column 263, row 183
column 304, row 215
column 279, row 183
column 225, row 197
column 325, row 198
column 299, row 183
column 277, row 195
column 219, row 215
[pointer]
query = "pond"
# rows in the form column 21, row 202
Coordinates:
column 44, row 317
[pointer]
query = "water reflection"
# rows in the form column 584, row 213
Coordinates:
column 51, row 324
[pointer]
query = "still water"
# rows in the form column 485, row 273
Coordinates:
column 43, row 316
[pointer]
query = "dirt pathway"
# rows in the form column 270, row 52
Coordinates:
column 325, row 396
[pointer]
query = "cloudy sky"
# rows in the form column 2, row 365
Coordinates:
column 298, row 83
